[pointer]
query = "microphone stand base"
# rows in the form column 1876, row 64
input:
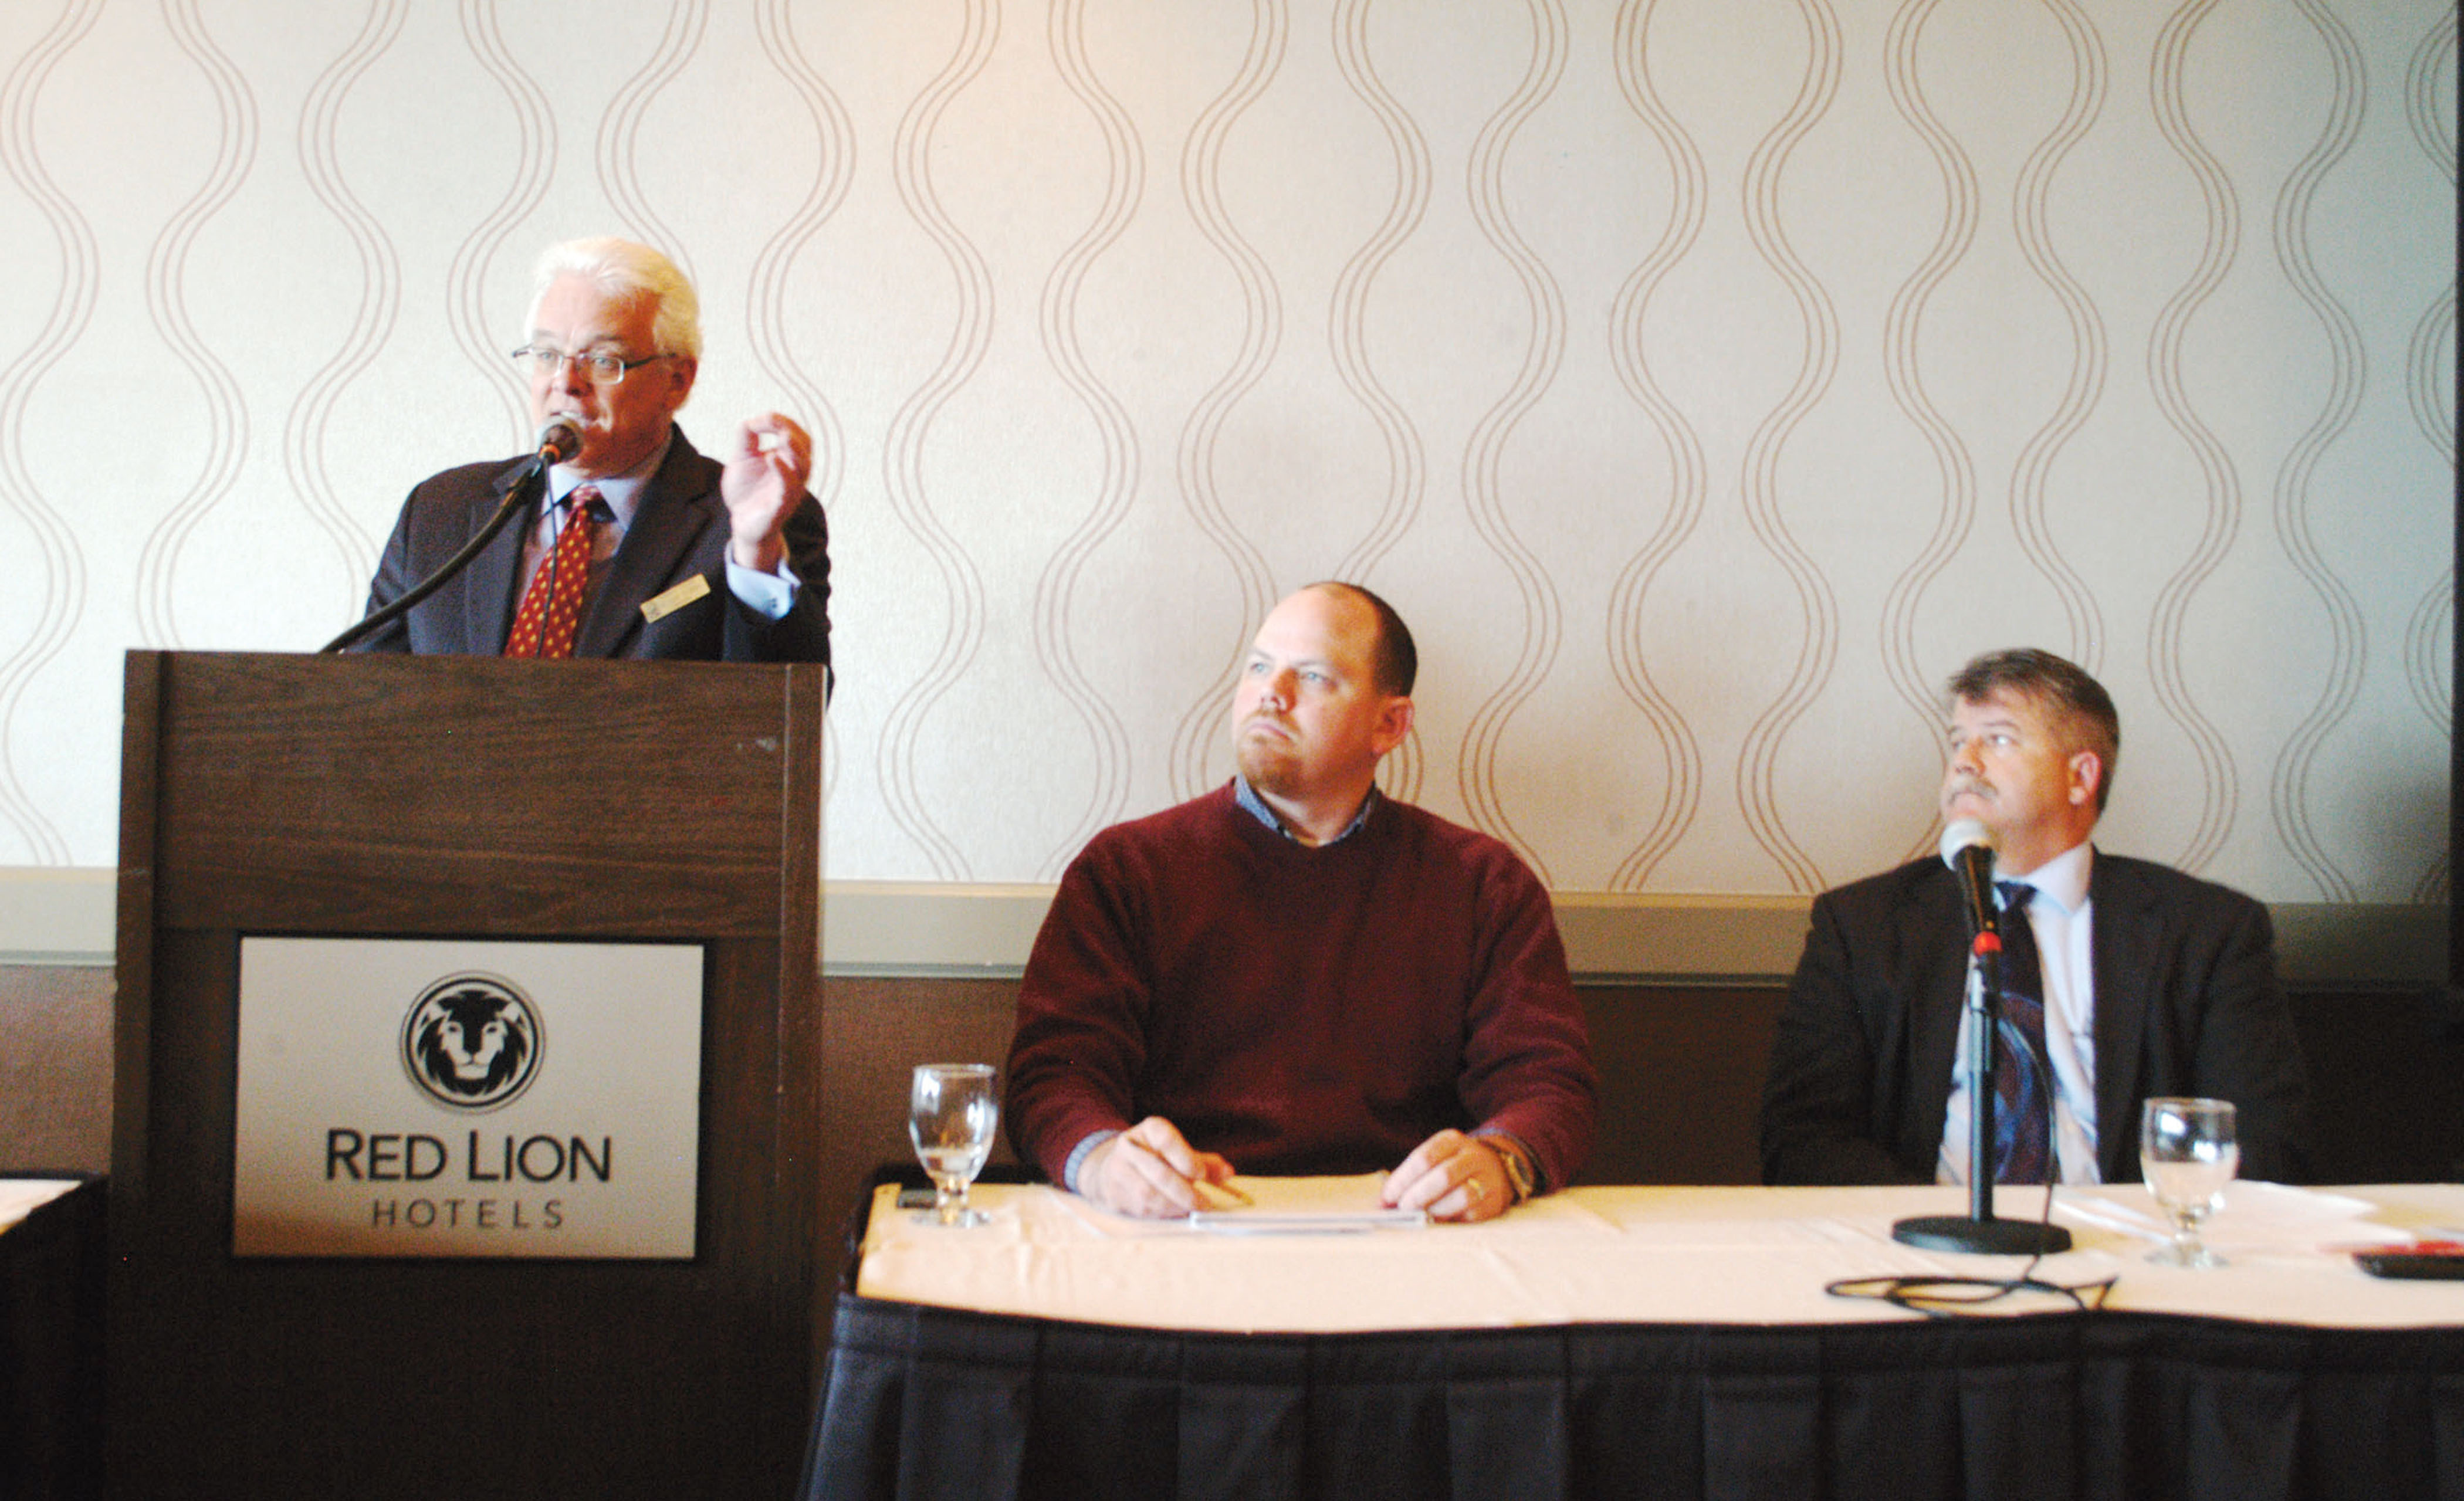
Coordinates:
column 1985, row 1236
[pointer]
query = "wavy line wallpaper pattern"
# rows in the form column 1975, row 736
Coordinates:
column 1816, row 647
column 2084, row 635
column 233, row 130
column 2429, row 111
column 309, row 425
column 910, row 492
column 1904, row 367
column 1704, row 381
column 1407, row 468
column 1485, row 750
column 1202, row 183
column 2296, row 763
column 2220, row 488
column 1630, row 648
column 1107, row 789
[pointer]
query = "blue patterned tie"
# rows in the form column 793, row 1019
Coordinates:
column 2022, row 1106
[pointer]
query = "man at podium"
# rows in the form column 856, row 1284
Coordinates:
column 641, row 546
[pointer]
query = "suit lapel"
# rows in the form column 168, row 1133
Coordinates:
column 674, row 514
column 2128, row 928
column 488, row 590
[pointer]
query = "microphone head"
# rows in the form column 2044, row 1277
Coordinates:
column 560, row 439
column 1966, row 833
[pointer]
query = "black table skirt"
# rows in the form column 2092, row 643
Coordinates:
column 924, row 1402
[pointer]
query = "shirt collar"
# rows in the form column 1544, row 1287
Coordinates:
column 621, row 493
column 2063, row 879
column 1247, row 797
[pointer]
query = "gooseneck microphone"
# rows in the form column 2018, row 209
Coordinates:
column 1968, row 849
column 559, row 440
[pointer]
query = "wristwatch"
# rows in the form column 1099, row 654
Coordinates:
column 1518, row 1166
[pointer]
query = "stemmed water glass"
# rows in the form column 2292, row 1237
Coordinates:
column 951, row 1115
column 2188, row 1155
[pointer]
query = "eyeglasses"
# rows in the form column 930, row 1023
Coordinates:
column 601, row 366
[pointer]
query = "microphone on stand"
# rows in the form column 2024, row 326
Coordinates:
column 1968, row 849
column 559, row 440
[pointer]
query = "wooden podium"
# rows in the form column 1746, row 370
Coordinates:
column 477, row 799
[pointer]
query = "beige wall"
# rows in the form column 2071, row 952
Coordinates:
column 1704, row 380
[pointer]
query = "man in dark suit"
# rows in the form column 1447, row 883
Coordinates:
column 2154, row 983
column 666, row 554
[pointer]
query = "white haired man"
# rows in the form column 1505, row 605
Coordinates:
column 641, row 546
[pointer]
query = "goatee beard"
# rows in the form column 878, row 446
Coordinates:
column 1264, row 772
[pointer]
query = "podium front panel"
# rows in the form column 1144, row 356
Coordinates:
column 464, row 799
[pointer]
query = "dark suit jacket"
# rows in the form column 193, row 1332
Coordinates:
column 679, row 530
column 2187, row 1003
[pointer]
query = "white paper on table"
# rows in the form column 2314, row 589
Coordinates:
column 20, row 1197
column 1243, row 1221
column 2257, row 1218
column 1347, row 1205
column 1341, row 1206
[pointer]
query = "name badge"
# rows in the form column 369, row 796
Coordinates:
column 676, row 599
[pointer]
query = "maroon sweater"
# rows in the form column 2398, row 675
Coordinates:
column 1299, row 1009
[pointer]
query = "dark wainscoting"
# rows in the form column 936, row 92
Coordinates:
column 1680, row 1070
column 2386, row 1084
column 55, row 1068
column 1683, row 1066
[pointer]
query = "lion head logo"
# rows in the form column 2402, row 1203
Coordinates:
column 473, row 1041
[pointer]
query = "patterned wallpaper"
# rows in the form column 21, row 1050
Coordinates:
column 1703, row 379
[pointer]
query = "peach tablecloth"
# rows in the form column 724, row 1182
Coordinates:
column 1639, row 1255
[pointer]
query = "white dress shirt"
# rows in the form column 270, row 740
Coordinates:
column 773, row 595
column 2059, row 918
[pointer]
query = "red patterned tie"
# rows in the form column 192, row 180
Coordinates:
column 552, row 605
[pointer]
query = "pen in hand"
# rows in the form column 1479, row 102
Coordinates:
column 1233, row 1191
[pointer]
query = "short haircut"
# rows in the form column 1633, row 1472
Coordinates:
column 1394, row 662
column 621, row 268
column 2085, row 709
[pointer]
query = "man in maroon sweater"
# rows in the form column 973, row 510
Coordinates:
column 1293, row 974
